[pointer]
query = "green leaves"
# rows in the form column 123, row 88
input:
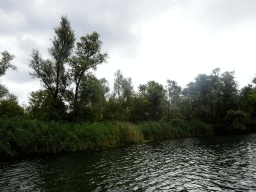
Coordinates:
column 5, row 62
column 63, row 42
column 55, row 75
column 52, row 72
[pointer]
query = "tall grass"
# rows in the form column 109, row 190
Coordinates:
column 19, row 136
column 161, row 130
column 25, row 136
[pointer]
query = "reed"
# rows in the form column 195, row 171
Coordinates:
column 161, row 130
column 22, row 136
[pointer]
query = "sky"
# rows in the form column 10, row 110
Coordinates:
column 145, row 39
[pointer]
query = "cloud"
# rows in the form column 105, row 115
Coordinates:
column 147, row 40
column 11, row 22
column 228, row 12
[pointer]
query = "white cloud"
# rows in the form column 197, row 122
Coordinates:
column 147, row 40
column 12, row 21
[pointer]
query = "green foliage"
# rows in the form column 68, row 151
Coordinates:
column 3, row 92
column 211, row 96
column 139, row 109
column 236, row 120
column 162, row 130
column 116, row 110
column 196, row 127
column 5, row 62
column 43, row 107
column 52, row 72
column 18, row 136
column 252, row 104
column 87, row 56
column 91, row 102
column 10, row 108
column 154, row 96
column 123, row 86
column 57, row 78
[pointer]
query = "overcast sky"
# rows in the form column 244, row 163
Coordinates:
column 145, row 39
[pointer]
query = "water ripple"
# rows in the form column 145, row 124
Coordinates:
column 195, row 164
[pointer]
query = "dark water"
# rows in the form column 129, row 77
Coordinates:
column 194, row 164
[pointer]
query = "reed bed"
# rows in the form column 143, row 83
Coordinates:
column 161, row 130
column 22, row 136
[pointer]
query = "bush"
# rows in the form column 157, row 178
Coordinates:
column 236, row 120
column 10, row 108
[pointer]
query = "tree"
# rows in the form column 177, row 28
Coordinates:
column 55, row 75
column 244, row 99
column 212, row 96
column 52, row 72
column 43, row 107
column 10, row 108
column 3, row 92
column 174, row 97
column 87, row 56
column 5, row 63
column 155, row 95
column 119, row 104
column 91, row 100
column 229, row 92
column 118, row 83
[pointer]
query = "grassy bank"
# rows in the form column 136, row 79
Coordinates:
column 21, row 136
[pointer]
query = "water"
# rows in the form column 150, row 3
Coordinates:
column 192, row 164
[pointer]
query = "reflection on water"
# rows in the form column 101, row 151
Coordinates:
column 194, row 164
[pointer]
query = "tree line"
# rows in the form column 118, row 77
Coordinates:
column 72, row 93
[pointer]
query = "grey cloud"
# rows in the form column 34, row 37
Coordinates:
column 112, row 19
column 228, row 12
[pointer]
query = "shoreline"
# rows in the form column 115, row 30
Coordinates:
column 25, row 137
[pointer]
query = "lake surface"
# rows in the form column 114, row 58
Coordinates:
column 188, row 164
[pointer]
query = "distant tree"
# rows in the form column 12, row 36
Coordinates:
column 244, row 99
column 229, row 91
column 143, row 89
column 174, row 98
column 10, row 108
column 91, row 100
column 43, row 107
column 5, row 62
column 3, row 92
column 119, row 104
column 118, row 83
column 155, row 95
column 212, row 96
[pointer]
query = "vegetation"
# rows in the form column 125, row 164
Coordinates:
column 75, row 110
column 23, row 136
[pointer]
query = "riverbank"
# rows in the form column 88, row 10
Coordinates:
column 21, row 136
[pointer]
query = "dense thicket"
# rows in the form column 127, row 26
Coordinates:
column 73, row 94
column 23, row 136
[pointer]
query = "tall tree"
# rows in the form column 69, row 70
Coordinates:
column 174, row 97
column 155, row 95
column 5, row 62
column 55, row 74
column 118, row 83
column 87, row 56
column 52, row 72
